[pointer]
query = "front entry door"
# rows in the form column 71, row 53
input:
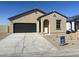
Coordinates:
column 46, row 26
column 46, row 29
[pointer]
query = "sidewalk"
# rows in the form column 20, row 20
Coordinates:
column 53, row 53
column 66, row 53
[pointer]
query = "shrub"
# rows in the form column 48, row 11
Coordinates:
column 68, row 32
column 73, row 31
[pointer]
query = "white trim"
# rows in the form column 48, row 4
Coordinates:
column 73, row 26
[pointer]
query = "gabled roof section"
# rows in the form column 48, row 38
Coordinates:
column 25, row 13
column 69, row 19
column 73, row 18
column 53, row 12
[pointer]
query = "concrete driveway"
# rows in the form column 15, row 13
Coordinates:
column 24, row 44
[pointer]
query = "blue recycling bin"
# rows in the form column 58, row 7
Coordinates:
column 62, row 40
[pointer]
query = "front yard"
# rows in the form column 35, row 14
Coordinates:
column 3, row 35
column 72, row 41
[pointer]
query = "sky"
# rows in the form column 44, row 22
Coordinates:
column 12, row 8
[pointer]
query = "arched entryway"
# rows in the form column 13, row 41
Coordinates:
column 46, row 26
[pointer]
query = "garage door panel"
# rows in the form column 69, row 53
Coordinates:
column 28, row 27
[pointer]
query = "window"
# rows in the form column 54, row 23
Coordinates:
column 58, row 24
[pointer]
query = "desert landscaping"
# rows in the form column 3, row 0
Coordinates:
column 3, row 31
column 71, row 41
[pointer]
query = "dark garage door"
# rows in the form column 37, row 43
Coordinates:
column 24, row 27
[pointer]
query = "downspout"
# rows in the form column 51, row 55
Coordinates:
column 71, row 25
column 75, row 26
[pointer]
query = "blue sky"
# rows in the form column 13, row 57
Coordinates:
column 8, row 9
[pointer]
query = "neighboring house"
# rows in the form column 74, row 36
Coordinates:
column 70, row 24
column 74, row 23
column 38, row 21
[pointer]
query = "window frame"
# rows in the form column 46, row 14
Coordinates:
column 58, row 24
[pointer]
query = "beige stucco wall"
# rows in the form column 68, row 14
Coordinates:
column 3, row 29
column 30, row 18
column 10, row 27
column 52, row 23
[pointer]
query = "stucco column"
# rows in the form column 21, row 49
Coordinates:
column 11, row 27
column 38, row 26
column 41, row 26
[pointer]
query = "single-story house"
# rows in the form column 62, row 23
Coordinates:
column 38, row 21
column 74, row 23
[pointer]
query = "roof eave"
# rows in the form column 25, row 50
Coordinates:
column 28, row 12
column 51, row 13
